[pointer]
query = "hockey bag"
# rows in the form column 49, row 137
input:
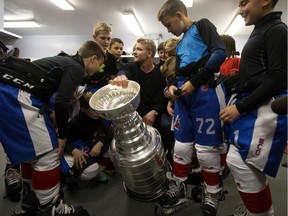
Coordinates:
column 24, row 75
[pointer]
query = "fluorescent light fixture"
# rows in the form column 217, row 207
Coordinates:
column 10, row 34
column 64, row 5
column 21, row 24
column 133, row 23
column 236, row 24
column 188, row 3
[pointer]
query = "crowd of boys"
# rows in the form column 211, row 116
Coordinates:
column 240, row 125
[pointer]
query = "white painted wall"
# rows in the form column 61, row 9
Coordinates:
column 35, row 47
column 44, row 46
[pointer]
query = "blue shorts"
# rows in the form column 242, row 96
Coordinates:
column 260, row 136
column 196, row 116
column 24, row 133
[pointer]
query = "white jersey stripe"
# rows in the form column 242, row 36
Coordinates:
column 262, row 138
column 35, row 124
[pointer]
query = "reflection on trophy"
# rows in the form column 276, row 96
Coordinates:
column 136, row 149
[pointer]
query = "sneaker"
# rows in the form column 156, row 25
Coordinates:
column 13, row 182
column 29, row 202
column 210, row 202
column 101, row 178
column 57, row 208
column 69, row 178
column 196, row 193
column 110, row 170
column 175, row 195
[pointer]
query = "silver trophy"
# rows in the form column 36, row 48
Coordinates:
column 136, row 149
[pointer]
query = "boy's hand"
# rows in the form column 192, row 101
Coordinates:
column 79, row 158
column 170, row 109
column 187, row 88
column 229, row 114
column 96, row 149
column 171, row 91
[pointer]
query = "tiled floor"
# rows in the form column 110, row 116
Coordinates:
column 111, row 199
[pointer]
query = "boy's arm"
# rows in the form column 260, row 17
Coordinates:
column 216, row 49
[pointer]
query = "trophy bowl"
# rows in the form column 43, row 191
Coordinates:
column 112, row 102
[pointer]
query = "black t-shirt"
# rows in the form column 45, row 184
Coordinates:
column 152, row 85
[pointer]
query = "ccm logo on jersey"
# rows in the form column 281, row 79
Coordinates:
column 259, row 147
column 18, row 81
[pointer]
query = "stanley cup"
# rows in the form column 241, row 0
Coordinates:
column 136, row 149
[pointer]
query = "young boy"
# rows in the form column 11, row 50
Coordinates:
column 231, row 65
column 116, row 49
column 199, row 100
column 32, row 141
column 168, row 69
column 102, row 33
column 258, row 135
column 162, row 54
column 88, row 141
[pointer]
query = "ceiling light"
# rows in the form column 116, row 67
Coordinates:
column 21, row 24
column 188, row 3
column 236, row 24
column 64, row 5
column 133, row 23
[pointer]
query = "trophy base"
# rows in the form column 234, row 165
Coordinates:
column 142, row 198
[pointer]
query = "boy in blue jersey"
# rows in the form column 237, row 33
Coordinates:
column 199, row 97
column 258, row 135
column 27, row 133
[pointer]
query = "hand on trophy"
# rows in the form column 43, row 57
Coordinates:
column 121, row 80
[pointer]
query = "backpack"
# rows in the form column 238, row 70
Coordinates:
column 24, row 75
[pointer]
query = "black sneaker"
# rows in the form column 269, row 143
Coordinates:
column 13, row 182
column 196, row 193
column 175, row 195
column 195, row 176
column 29, row 202
column 57, row 208
column 210, row 202
column 225, row 173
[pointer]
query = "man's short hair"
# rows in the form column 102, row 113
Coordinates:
column 149, row 44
